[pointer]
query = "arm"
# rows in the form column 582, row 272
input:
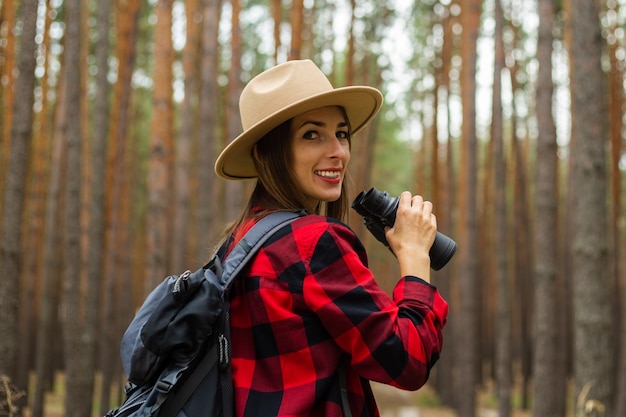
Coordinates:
column 394, row 341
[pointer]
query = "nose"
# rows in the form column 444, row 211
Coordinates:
column 338, row 148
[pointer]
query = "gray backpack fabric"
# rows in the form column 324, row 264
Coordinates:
column 176, row 351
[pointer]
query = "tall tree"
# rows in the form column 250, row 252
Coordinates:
column 51, row 261
column 594, row 342
column 522, row 225
column 96, row 189
column 101, row 113
column 277, row 14
column 49, row 277
column 7, row 64
column 446, row 185
column 182, row 240
column 545, row 365
column 35, row 205
column 297, row 23
column 207, row 203
column 160, row 149
column 14, row 192
column 234, row 189
column 116, row 233
column 78, row 379
column 616, row 127
column 503, row 320
column 467, row 353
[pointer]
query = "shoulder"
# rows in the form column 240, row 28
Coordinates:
column 308, row 233
column 315, row 235
column 314, row 227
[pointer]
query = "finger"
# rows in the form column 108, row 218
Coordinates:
column 405, row 198
column 427, row 207
column 417, row 201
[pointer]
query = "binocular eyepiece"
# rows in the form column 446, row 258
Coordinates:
column 378, row 210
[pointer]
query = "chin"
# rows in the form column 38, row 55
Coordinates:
column 330, row 199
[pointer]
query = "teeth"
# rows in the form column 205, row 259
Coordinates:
column 327, row 174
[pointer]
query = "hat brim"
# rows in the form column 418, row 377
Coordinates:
column 361, row 104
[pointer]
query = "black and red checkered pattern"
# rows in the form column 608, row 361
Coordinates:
column 308, row 304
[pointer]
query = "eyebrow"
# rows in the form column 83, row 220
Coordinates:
column 320, row 124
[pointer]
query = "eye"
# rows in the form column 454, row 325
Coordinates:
column 311, row 135
column 343, row 134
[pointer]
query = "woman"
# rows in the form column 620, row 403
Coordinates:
column 308, row 309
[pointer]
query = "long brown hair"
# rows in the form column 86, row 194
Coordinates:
column 275, row 189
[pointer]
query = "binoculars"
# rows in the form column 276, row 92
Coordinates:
column 378, row 210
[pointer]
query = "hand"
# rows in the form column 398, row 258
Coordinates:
column 412, row 235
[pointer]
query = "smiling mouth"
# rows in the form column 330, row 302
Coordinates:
column 328, row 174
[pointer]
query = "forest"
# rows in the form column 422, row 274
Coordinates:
column 507, row 114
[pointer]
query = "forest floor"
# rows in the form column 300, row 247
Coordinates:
column 425, row 403
column 392, row 402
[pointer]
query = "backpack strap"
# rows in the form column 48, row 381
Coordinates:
column 241, row 254
column 252, row 241
column 343, row 385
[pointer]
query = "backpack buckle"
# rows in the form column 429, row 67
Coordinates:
column 129, row 388
column 181, row 285
column 163, row 386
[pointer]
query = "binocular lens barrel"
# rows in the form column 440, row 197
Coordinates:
column 378, row 210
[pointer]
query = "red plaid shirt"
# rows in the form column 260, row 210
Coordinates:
column 307, row 305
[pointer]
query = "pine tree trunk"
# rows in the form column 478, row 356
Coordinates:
column 207, row 201
column 234, row 189
column 7, row 95
column 77, row 372
column 593, row 302
column 116, row 222
column 467, row 353
column 183, row 240
column 503, row 317
column 11, row 257
column 545, row 365
column 159, row 174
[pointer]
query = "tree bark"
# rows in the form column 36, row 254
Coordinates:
column 11, row 257
column 207, row 205
column 78, row 379
column 97, row 215
column 50, row 278
column 116, row 199
column 618, row 263
column 7, row 95
column 277, row 15
column 234, row 189
column 546, row 327
column 593, row 302
column 467, row 353
column 160, row 150
column 503, row 320
column 183, row 240
column 297, row 23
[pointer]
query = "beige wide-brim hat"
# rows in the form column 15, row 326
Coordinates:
column 281, row 93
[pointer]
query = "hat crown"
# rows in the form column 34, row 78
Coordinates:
column 280, row 87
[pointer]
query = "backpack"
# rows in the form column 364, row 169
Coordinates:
column 176, row 350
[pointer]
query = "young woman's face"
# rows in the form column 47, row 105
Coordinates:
column 320, row 144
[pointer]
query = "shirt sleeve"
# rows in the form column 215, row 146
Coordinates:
column 394, row 340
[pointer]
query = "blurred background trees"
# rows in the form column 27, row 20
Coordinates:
column 507, row 114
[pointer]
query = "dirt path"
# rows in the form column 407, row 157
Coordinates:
column 394, row 402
